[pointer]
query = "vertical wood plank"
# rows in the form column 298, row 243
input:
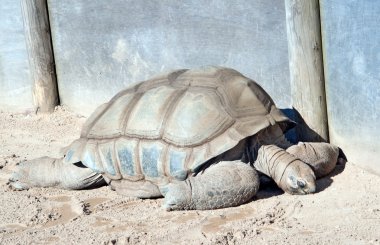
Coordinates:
column 40, row 52
column 306, row 68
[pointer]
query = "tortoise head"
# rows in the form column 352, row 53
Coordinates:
column 290, row 173
column 298, row 178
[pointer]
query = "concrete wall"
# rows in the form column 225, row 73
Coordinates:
column 15, row 80
column 351, row 40
column 102, row 46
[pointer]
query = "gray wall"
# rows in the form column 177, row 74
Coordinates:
column 15, row 81
column 102, row 46
column 351, row 40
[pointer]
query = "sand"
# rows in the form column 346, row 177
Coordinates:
column 345, row 209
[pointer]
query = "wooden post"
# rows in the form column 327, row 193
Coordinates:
column 40, row 52
column 306, row 68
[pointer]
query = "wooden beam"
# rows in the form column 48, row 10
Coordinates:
column 306, row 68
column 40, row 52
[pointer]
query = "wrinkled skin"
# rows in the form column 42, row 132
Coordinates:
column 224, row 184
column 232, row 131
column 240, row 183
column 321, row 157
column 296, row 184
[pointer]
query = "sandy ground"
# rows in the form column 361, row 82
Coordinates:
column 345, row 209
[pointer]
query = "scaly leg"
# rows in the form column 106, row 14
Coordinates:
column 225, row 184
column 52, row 172
column 321, row 157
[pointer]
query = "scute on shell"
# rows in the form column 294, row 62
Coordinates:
column 169, row 125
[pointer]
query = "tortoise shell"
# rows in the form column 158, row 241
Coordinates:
column 169, row 125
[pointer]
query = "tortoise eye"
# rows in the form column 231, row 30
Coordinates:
column 301, row 183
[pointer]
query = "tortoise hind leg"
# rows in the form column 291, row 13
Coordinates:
column 52, row 172
column 225, row 184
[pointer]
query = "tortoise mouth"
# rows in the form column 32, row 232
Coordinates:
column 299, row 192
column 302, row 189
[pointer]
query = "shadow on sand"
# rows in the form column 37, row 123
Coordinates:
column 325, row 182
column 268, row 188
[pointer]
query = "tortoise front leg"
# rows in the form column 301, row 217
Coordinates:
column 321, row 157
column 225, row 184
column 53, row 172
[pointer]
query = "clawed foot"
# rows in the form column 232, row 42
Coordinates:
column 19, row 178
column 177, row 196
column 34, row 173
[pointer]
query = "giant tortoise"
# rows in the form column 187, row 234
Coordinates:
column 196, row 137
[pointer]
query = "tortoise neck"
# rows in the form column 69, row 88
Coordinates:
column 272, row 135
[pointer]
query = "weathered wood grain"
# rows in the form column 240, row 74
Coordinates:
column 40, row 52
column 306, row 68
